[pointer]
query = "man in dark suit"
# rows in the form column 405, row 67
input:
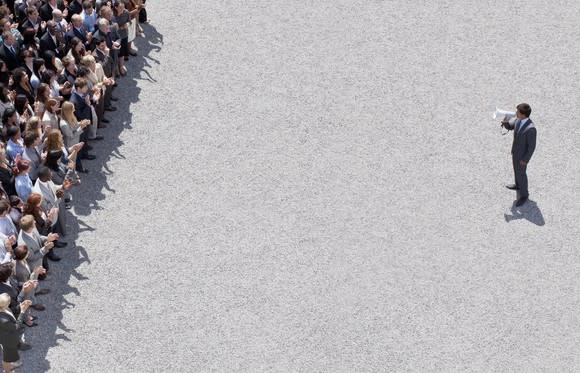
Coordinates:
column 9, row 51
column 32, row 21
column 81, row 101
column 522, row 149
column 50, row 40
column 78, row 30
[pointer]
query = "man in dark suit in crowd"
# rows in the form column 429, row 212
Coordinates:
column 522, row 149
column 50, row 40
column 81, row 101
column 9, row 51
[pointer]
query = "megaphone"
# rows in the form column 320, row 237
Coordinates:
column 500, row 114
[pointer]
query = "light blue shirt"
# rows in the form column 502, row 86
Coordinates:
column 13, row 148
column 23, row 186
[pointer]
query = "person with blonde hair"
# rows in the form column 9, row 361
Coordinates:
column 11, row 330
column 71, row 130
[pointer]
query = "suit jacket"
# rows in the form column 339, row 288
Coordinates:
column 11, row 330
column 82, row 110
column 28, row 24
column 79, row 34
column 12, row 60
column 32, row 155
column 15, row 297
column 524, row 141
column 35, row 245
column 106, row 61
column 47, row 44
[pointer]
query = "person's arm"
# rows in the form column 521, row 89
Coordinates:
column 530, row 145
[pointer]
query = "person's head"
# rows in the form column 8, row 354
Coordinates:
column 27, row 223
column 5, row 24
column 81, row 85
column 523, row 110
column 44, row 174
column 13, row 133
column 32, row 205
column 69, row 64
column 76, row 45
column 106, row 13
column 21, row 103
column 23, row 166
column 38, row 66
column 31, row 139
column 57, row 15
column 103, row 23
column 77, row 20
column 4, row 301
column 5, row 271
column 4, row 207
column 9, row 117
column 48, row 77
column 8, row 38
column 54, row 140
column 51, row 27
column 89, row 62
column 20, row 252
column 4, row 92
column 42, row 92
column 82, row 72
column 51, row 105
column 49, row 59
column 32, row 13
column 33, row 124
column 19, row 75
column 88, row 7
column 119, row 6
column 67, row 112
column 100, row 42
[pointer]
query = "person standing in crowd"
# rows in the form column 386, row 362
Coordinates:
column 523, row 148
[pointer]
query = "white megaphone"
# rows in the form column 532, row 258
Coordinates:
column 500, row 114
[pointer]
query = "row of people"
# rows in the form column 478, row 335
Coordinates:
column 59, row 64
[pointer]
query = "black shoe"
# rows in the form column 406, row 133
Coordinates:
column 89, row 147
column 83, row 171
column 24, row 346
column 132, row 52
column 59, row 244
column 111, row 108
column 114, row 98
column 126, row 58
column 115, row 85
column 521, row 201
column 512, row 187
column 90, row 157
column 104, row 120
column 97, row 138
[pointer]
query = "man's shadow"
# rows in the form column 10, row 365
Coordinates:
column 529, row 211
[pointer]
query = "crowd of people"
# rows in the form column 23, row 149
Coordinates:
column 60, row 62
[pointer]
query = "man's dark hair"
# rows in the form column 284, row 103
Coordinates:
column 5, row 271
column 525, row 109
column 44, row 173
column 12, row 131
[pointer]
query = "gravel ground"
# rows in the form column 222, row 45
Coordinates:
column 319, row 186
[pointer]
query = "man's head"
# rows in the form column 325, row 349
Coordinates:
column 103, row 25
column 27, row 223
column 77, row 20
column 523, row 111
column 57, row 15
column 8, row 38
column 51, row 26
column 32, row 13
column 81, row 85
column 44, row 174
column 88, row 7
column 5, row 271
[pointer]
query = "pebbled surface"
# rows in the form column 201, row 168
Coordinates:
column 318, row 186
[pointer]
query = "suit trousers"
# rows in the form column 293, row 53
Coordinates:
column 521, row 178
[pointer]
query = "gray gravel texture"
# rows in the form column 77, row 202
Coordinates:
column 306, row 186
